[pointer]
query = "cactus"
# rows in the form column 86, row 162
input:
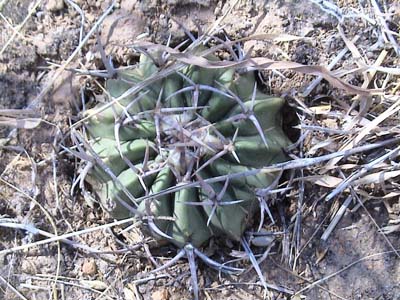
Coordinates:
column 188, row 127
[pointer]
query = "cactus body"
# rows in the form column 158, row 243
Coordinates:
column 170, row 129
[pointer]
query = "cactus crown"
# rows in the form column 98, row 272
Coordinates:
column 189, row 127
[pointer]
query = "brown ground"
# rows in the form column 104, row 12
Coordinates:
column 39, row 177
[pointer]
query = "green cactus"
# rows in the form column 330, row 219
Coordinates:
column 192, row 125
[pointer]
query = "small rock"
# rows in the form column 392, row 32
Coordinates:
column 89, row 268
column 370, row 54
column 128, row 5
column 55, row 5
column 262, row 241
column 160, row 295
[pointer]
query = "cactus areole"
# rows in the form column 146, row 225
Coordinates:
column 190, row 126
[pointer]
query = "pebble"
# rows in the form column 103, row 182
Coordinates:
column 55, row 5
column 128, row 5
column 370, row 54
column 262, row 241
column 160, row 295
column 89, row 268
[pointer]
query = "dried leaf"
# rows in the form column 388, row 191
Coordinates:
column 129, row 294
column 390, row 195
column 262, row 63
column 27, row 123
column 259, row 63
column 281, row 37
column 377, row 177
column 321, row 109
column 18, row 113
column 390, row 229
column 325, row 180
column 323, row 144
column 387, row 196
column 94, row 284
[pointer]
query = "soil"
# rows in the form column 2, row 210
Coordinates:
column 40, row 174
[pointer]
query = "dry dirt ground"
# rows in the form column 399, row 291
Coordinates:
column 359, row 259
